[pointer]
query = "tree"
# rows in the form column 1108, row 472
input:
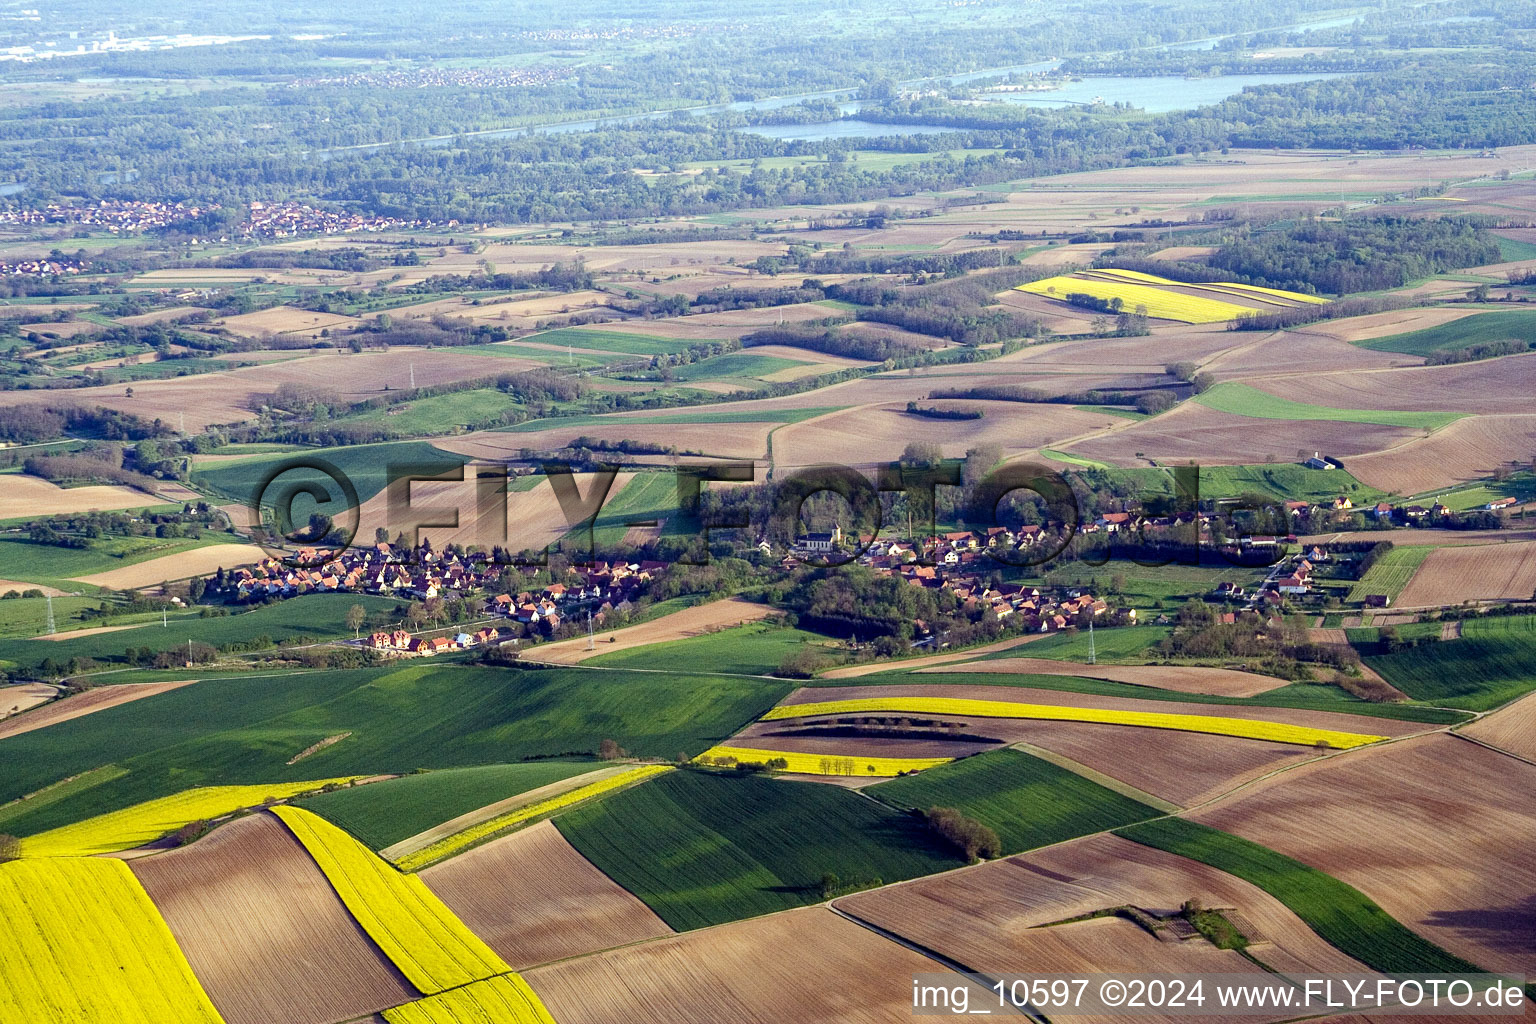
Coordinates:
column 609, row 750
column 968, row 835
column 10, row 848
column 355, row 617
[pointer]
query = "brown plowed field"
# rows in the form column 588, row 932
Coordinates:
column 1287, row 351
column 1511, row 728
column 704, row 618
column 264, row 931
column 1436, row 830
column 1221, row 682
column 229, row 397
column 195, row 562
column 25, row 495
column 1183, row 768
column 984, row 917
column 880, row 433
column 84, row 704
column 24, row 697
column 1194, row 431
column 6, row 586
column 802, row 965
column 1469, row 449
column 1493, row 572
column 534, row 517
column 1491, row 386
column 1384, row 325
column 910, row 664
column 745, row 440
column 1426, row 538
column 288, row 320
column 534, row 899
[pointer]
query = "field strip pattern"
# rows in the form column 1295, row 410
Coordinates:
column 153, row 819
column 1274, row 732
column 459, row 841
column 1164, row 305
column 821, row 764
column 1230, row 287
column 415, row 929
column 82, row 942
column 505, row 999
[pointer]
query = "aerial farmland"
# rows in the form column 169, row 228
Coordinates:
column 765, row 513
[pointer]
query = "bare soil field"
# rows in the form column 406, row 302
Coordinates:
column 1427, row 538
column 7, row 586
column 741, row 440
column 1503, row 385
column 22, row 495
column 1511, row 728
column 1183, row 768
column 1284, row 351
column 801, row 965
column 509, row 308
column 1193, row 431
column 288, row 320
column 264, row 930
column 1382, row 325
column 160, row 316
column 1496, row 572
column 1183, row 679
column 704, row 618
column 86, row 703
column 1053, row 315
column 534, row 517
column 1469, row 449
column 24, row 697
column 880, row 433
column 1148, row 354
column 986, row 917
column 209, row 398
column 70, row 634
column 731, row 323
column 535, row 900
column 1184, row 252
column 196, row 562
column 909, row 664
column 1436, row 830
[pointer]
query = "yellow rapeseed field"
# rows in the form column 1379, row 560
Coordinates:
column 502, row 1000
column 81, row 943
column 146, row 822
column 1164, row 305
column 459, row 841
column 431, row 946
column 1214, row 286
column 823, row 764
column 1275, row 732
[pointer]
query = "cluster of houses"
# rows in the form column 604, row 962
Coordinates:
column 960, row 565
column 400, row 641
column 128, row 215
column 424, row 574
column 285, row 220
column 426, row 78
column 40, row 268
